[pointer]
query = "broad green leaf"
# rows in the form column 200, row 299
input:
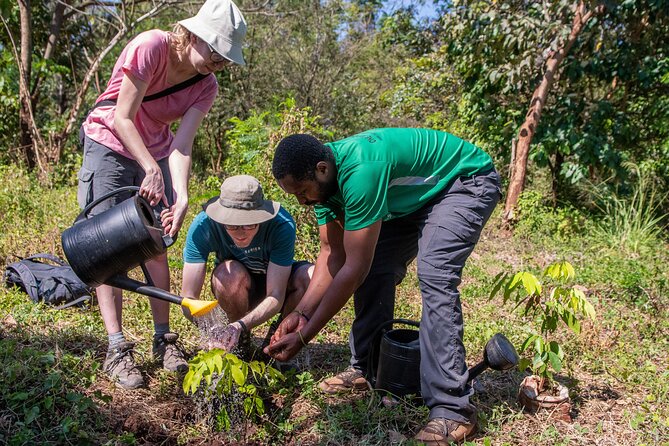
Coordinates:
column 537, row 361
column 218, row 363
column 528, row 342
column 248, row 406
column 188, row 379
column 531, row 283
column 32, row 413
column 578, row 293
column 498, row 282
column 256, row 367
column 195, row 382
column 260, row 406
column 560, row 271
column 572, row 322
column 517, row 278
column 555, row 361
column 588, row 309
column 237, row 374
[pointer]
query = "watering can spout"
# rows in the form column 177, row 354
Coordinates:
column 199, row 307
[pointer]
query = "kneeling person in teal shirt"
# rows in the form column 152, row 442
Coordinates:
column 255, row 276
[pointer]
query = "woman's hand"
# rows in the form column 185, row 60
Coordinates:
column 173, row 217
column 153, row 187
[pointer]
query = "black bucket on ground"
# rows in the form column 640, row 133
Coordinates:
column 394, row 364
column 399, row 362
column 114, row 241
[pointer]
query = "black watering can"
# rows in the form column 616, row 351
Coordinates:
column 103, row 248
column 394, row 358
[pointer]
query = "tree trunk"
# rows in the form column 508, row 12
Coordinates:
column 52, row 40
column 25, row 135
column 527, row 130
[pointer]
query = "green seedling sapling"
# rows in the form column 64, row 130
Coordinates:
column 549, row 300
column 228, row 373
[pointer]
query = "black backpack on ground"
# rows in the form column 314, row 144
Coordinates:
column 52, row 284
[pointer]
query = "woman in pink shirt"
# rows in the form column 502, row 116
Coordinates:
column 128, row 141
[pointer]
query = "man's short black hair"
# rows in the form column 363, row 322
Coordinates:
column 297, row 156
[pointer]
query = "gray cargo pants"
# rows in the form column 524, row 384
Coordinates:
column 441, row 235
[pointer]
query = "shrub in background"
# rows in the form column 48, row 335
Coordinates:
column 632, row 221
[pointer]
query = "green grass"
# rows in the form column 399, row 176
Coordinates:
column 52, row 391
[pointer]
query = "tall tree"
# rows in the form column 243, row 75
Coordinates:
column 42, row 149
column 489, row 57
column 582, row 16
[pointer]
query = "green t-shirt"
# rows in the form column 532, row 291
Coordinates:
column 388, row 173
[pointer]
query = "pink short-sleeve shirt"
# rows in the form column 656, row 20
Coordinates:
column 146, row 57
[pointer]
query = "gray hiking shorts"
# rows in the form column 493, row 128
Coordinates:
column 104, row 170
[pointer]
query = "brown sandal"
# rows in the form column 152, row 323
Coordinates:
column 349, row 379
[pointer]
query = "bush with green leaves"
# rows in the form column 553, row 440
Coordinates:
column 225, row 375
column 251, row 145
column 537, row 218
column 40, row 401
column 548, row 300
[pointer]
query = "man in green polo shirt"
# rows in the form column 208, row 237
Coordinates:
column 382, row 198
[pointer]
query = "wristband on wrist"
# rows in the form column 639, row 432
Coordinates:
column 301, row 313
column 299, row 332
column 243, row 325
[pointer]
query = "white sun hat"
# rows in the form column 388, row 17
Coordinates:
column 221, row 24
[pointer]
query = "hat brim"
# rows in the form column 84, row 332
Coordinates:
column 229, row 50
column 232, row 216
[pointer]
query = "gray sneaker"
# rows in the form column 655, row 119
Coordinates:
column 121, row 368
column 165, row 349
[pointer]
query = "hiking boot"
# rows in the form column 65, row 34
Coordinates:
column 165, row 349
column 121, row 368
column 442, row 432
column 349, row 379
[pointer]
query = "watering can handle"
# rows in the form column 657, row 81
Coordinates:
column 376, row 339
column 84, row 213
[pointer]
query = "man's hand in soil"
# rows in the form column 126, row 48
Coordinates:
column 286, row 342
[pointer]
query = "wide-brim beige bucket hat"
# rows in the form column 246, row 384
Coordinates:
column 241, row 202
column 221, row 24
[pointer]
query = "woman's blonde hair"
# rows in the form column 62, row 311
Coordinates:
column 180, row 38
